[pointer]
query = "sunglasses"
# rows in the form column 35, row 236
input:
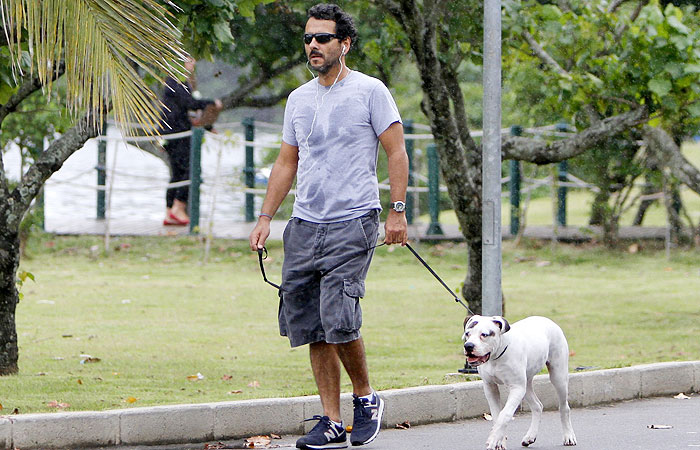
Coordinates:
column 321, row 38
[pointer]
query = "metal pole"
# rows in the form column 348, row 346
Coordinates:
column 561, row 193
column 515, row 130
column 408, row 129
column 491, row 161
column 562, row 177
column 249, row 125
column 101, row 172
column 195, row 177
column 434, row 191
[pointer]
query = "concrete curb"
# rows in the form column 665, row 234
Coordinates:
column 231, row 420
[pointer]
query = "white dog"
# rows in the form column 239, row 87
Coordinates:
column 512, row 356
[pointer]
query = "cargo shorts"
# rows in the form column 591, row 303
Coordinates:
column 323, row 278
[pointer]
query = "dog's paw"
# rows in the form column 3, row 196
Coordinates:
column 496, row 443
column 569, row 439
column 527, row 440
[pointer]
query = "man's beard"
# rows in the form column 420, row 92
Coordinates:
column 325, row 67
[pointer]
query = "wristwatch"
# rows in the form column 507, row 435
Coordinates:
column 398, row 206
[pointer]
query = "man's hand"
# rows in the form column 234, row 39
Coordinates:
column 396, row 228
column 260, row 233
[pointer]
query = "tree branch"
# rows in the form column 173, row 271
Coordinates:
column 543, row 152
column 667, row 152
column 264, row 101
column 544, row 56
column 237, row 97
column 612, row 7
column 622, row 28
column 28, row 86
column 49, row 162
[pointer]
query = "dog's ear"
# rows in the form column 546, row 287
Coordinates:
column 470, row 321
column 502, row 323
column 466, row 320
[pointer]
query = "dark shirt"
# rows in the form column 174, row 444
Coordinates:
column 178, row 100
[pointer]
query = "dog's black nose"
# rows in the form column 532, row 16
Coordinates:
column 469, row 346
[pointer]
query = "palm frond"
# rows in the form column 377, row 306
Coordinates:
column 102, row 43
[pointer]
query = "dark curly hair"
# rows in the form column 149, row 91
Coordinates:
column 344, row 25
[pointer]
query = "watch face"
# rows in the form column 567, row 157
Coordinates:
column 398, row 206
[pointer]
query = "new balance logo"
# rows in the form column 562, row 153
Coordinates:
column 331, row 433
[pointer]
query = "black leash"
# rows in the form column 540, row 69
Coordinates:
column 262, row 267
column 264, row 250
column 457, row 299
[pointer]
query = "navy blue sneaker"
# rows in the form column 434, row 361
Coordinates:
column 367, row 420
column 324, row 435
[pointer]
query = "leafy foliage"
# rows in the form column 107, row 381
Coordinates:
column 99, row 42
column 613, row 60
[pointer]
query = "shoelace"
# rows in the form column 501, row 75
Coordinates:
column 361, row 413
column 323, row 421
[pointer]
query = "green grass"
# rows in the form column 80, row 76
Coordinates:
column 154, row 315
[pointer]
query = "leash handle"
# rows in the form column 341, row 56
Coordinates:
column 422, row 261
column 262, row 267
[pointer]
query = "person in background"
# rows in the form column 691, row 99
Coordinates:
column 178, row 101
column 332, row 127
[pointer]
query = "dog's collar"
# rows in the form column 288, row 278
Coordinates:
column 504, row 350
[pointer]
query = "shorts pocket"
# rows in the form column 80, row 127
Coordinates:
column 350, row 311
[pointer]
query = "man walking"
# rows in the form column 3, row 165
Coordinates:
column 332, row 127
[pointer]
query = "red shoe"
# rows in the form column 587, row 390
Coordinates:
column 174, row 220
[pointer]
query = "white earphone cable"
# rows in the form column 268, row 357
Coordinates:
column 318, row 107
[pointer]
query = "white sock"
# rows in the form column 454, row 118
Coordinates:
column 369, row 397
column 337, row 424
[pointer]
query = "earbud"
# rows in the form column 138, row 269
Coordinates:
column 342, row 52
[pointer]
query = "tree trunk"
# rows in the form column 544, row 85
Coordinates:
column 471, row 290
column 9, row 297
column 644, row 205
column 599, row 209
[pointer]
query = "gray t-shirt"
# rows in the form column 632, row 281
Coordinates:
column 337, row 171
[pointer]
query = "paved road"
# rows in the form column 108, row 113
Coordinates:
column 620, row 426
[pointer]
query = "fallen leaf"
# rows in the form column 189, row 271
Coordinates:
column 668, row 269
column 634, row 248
column 55, row 404
column 254, row 384
column 403, row 425
column 197, row 377
column 572, row 353
column 237, row 391
column 80, row 381
column 87, row 359
column 659, row 427
column 15, row 411
column 0, row 405
column 275, row 436
column 681, row 396
column 543, row 263
column 131, row 399
column 487, row 416
column 227, row 377
column 258, row 441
